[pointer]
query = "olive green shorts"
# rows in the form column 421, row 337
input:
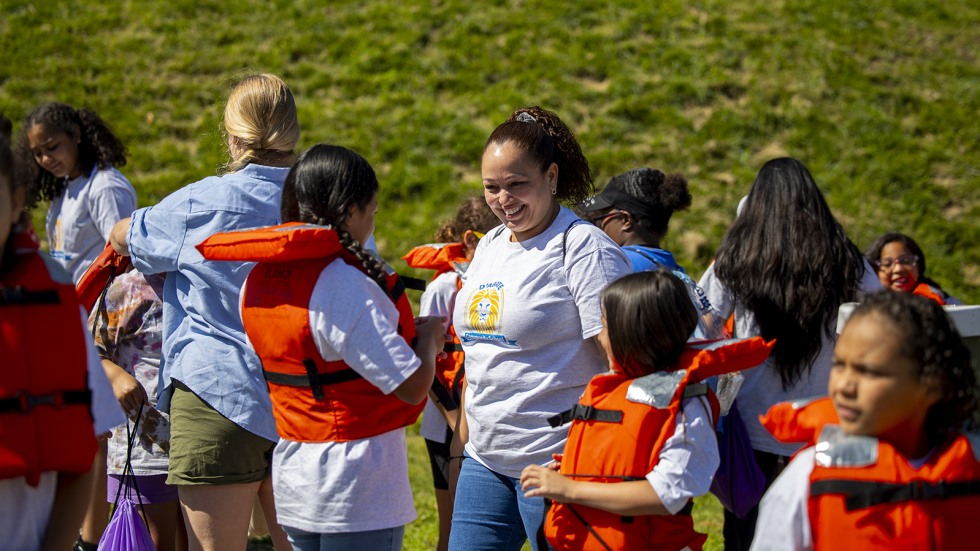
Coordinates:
column 207, row 448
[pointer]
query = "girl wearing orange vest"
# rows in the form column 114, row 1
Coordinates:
column 53, row 399
column 890, row 464
column 334, row 334
column 642, row 444
column 456, row 242
column 901, row 266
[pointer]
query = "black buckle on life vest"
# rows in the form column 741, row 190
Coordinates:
column 315, row 384
column 24, row 402
column 12, row 296
column 588, row 413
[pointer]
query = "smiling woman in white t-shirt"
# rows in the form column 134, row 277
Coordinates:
column 526, row 316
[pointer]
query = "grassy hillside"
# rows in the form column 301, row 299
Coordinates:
column 879, row 99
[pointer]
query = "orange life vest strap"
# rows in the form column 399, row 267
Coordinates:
column 589, row 413
column 24, row 402
column 861, row 494
column 18, row 295
column 97, row 278
column 312, row 379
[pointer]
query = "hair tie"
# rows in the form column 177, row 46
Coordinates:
column 524, row 116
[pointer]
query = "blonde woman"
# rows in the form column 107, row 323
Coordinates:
column 222, row 429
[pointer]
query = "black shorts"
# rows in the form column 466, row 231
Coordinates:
column 439, row 461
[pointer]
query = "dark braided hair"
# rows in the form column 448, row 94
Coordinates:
column 322, row 186
column 473, row 214
column 98, row 147
column 789, row 262
column 547, row 139
column 928, row 338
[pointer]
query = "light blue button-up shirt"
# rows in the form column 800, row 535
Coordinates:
column 204, row 343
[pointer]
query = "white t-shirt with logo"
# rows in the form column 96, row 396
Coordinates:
column 80, row 219
column 526, row 316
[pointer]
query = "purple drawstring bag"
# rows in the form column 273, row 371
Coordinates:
column 127, row 531
column 739, row 482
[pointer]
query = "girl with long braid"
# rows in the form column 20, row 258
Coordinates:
column 334, row 333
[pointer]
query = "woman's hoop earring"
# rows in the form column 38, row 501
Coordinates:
column 554, row 191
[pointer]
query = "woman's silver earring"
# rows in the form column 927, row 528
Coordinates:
column 554, row 191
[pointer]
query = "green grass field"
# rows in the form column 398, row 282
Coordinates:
column 879, row 99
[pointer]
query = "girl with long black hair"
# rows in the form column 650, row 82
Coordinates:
column 783, row 269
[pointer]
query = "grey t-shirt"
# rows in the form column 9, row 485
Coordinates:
column 525, row 316
column 80, row 219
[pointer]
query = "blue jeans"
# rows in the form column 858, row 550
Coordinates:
column 389, row 539
column 491, row 513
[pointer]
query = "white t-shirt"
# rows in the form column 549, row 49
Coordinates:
column 688, row 459
column 438, row 299
column 525, row 316
column 784, row 521
column 80, row 219
column 763, row 387
column 331, row 487
column 25, row 509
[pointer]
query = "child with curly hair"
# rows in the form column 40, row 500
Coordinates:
column 891, row 463
column 71, row 158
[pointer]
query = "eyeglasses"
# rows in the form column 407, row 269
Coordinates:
column 907, row 261
column 600, row 221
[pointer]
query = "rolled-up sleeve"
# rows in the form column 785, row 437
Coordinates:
column 689, row 458
column 155, row 238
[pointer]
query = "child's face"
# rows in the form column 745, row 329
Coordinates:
column 875, row 390
column 360, row 222
column 55, row 151
column 902, row 273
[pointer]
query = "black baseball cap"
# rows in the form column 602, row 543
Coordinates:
column 613, row 196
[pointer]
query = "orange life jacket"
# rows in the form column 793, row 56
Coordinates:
column 45, row 416
column 800, row 420
column 865, row 495
column 926, row 290
column 96, row 280
column 618, row 429
column 313, row 400
column 443, row 258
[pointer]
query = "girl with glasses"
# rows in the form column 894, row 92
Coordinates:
column 901, row 267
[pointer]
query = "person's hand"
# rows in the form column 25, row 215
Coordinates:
column 129, row 392
column 432, row 330
column 544, row 481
